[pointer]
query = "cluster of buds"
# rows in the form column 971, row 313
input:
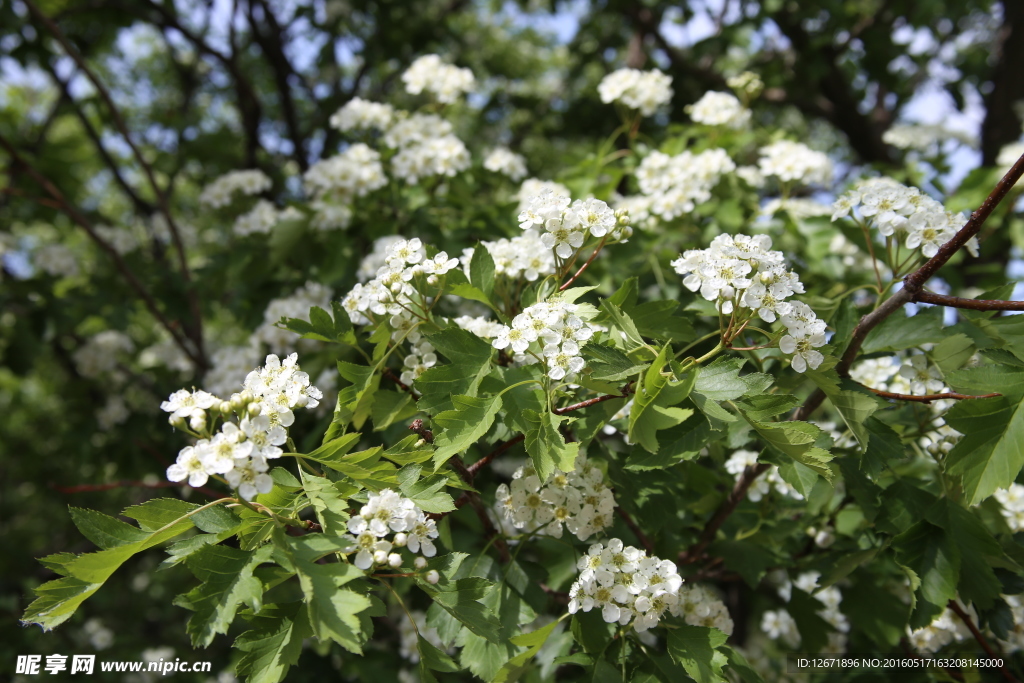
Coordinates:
column 388, row 514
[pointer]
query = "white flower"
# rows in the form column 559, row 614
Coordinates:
column 446, row 82
column 643, row 90
column 795, row 162
column 802, row 346
column 188, row 465
column 505, row 161
column 183, row 402
column 779, row 625
column 250, row 478
column 719, row 109
column 359, row 114
column 219, row 193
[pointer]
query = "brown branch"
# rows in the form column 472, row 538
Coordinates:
column 626, row 391
column 952, row 673
column 119, row 262
column 196, row 331
column 386, row 372
column 425, row 434
column 584, row 266
column 637, row 531
column 928, row 398
column 482, row 462
column 970, row 304
column 966, row 618
column 911, row 285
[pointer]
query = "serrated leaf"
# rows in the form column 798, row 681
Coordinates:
column 952, row 352
column 985, row 379
column 796, row 440
column 434, row 659
column 458, row 429
column 470, row 361
column 884, row 446
column 931, row 553
column 766, row 406
column 546, row 446
column 333, row 611
column 227, row 581
column 720, row 381
column 273, row 646
column 612, row 365
column 515, row 667
column 695, row 649
column 977, row 549
column 390, row 407
column 103, row 530
column 991, row 452
column 650, row 413
column 427, row 492
column 57, row 600
column 462, row 600
column 630, row 336
column 329, row 500
column 900, row 331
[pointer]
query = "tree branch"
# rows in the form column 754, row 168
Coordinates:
column 122, row 267
column 196, row 328
column 970, row 304
column 927, row 398
column 966, row 618
column 911, row 286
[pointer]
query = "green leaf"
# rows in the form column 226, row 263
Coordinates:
column 991, row 453
column 796, row 439
column 952, row 352
column 748, row 559
column 622, row 322
column 767, row 406
column 227, row 581
column 355, row 401
column 855, row 405
column 806, row 612
column 611, row 364
column 462, row 600
column 721, row 381
column 334, row 450
column 481, row 270
column 329, row 500
column 900, row 331
column 977, row 548
column 458, row 429
column 546, row 446
column 986, row 379
column 931, row 553
column 695, row 649
column 884, row 446
column 104, row 530
column 428, row 492
column 470, row 358
column 515, row 667
column 332, row 609
column 322, row 327
column 390, row 407
column 434, row 659
column 57, row 600
column 649, row 414
column 739, row 665
column 273, row 646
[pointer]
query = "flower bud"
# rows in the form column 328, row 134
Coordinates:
column 247, row 397
column 225, row 407
column 177, row 421
column 420, row 562
column 401, row 538
column 432, row 576
column 254, row 409
column 394, row 560
column 237, row 402
column 380, row 556
column 301, row 401
column 197, row 421
column 824, row 538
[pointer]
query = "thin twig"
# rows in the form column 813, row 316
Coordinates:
column 165, row 209
column 912, row 285
column 970, row 304
column 966, row 618
column 584, row 266
column 928, row 398
column 386, row 372
column 637, row 531
column 78, row 217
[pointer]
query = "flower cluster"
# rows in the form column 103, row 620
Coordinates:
column 239, row 450
column 262, row 218
column 579, row 500
column 699, row 606
column 219, row 193
column 391, row 291
column 354, row 173
column 444, row 81
column 523, row 256
column 795, row 162
column 296, row 305
column 675, row 185
column 782, row 624
column 743, row 275
column 485, row 328
column 719, row 109
column 101, row 353
column 377, row 257
column 892, row 208
column 741, row 460
column 555, row 327
column 1012, row 500
column 56, row 260
column 626, row 585
column 419, row 359
column 643, row 90
column 360, row 114
column 505, row 161
column 565, row 227
column 748, row 83
column 230, row 364
column 923, row 137
column 533, row 187
column 384, row 514
column 426, row 147
column 944, row 629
